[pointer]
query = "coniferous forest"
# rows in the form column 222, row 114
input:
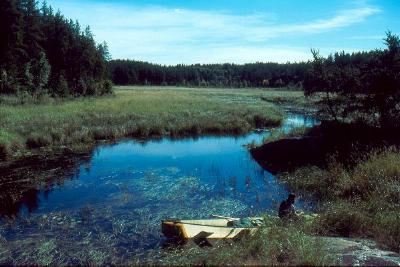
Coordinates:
column 42, row 52
column 124, row 72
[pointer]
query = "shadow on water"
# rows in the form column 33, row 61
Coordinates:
column 105, row 207
column 347, row 142
column 23, row 181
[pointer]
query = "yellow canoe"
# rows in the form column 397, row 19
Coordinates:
column 220, row 228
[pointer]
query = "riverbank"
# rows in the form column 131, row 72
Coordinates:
column 135, row 112
column 362, row 201
column 358, row 221
column 351, row 172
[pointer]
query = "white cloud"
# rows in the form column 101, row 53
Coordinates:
column 366, row 37
column 343, row 19
column 175, row 35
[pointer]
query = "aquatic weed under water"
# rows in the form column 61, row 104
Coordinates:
column 114, row 233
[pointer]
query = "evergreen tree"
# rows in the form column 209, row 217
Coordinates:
column 33, row 35
column 42, row 51
column 220, row 75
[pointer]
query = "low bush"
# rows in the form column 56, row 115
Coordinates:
column 38, row 141
column 4, row 152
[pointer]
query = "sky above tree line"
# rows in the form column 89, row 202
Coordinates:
column 241, row 31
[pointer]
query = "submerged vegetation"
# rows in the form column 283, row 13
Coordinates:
column 132, row 112
column 122, row 228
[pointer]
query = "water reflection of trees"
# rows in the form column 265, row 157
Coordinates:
column 346, row 142
column 23, row 181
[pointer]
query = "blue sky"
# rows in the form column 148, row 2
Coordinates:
column 217, row 31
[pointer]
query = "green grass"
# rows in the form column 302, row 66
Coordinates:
column 279, row 133
column 134, row 112
column 359, row 202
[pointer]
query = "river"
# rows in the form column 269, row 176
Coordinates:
column 108, row 207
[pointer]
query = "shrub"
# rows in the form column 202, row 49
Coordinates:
column 386, row 228
column 61, row 87
column 4, row 152
column 344, row 219
column 107, row 87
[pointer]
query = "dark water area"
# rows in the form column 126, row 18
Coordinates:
column 107, row 207
column 348, row 143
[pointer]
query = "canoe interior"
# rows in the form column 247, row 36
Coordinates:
column 214, row 222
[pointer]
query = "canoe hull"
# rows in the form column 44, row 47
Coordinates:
column 210, row 229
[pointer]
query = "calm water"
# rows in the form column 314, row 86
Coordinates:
column 108, row 208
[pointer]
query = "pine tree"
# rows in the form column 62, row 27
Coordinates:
column 104, row 51
column 33, row 36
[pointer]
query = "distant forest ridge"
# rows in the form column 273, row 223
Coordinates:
column 41, row 52
column 131, row 72
column 291, row 75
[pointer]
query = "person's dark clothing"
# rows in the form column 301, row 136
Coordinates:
column 286, row 209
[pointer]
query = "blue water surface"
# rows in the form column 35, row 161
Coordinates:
column 108, row 208
column 223, row 163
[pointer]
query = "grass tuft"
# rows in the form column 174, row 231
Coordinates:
column 37, row 141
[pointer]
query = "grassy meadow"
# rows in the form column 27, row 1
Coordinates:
column 48, row 125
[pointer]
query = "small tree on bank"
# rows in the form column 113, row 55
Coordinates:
column 363, row 85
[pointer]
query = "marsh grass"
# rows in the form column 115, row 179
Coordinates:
column 362, row 201
column 291, row 98
column 139, row 112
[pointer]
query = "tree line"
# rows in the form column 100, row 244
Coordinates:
column 42, row 52
column 131, row 72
